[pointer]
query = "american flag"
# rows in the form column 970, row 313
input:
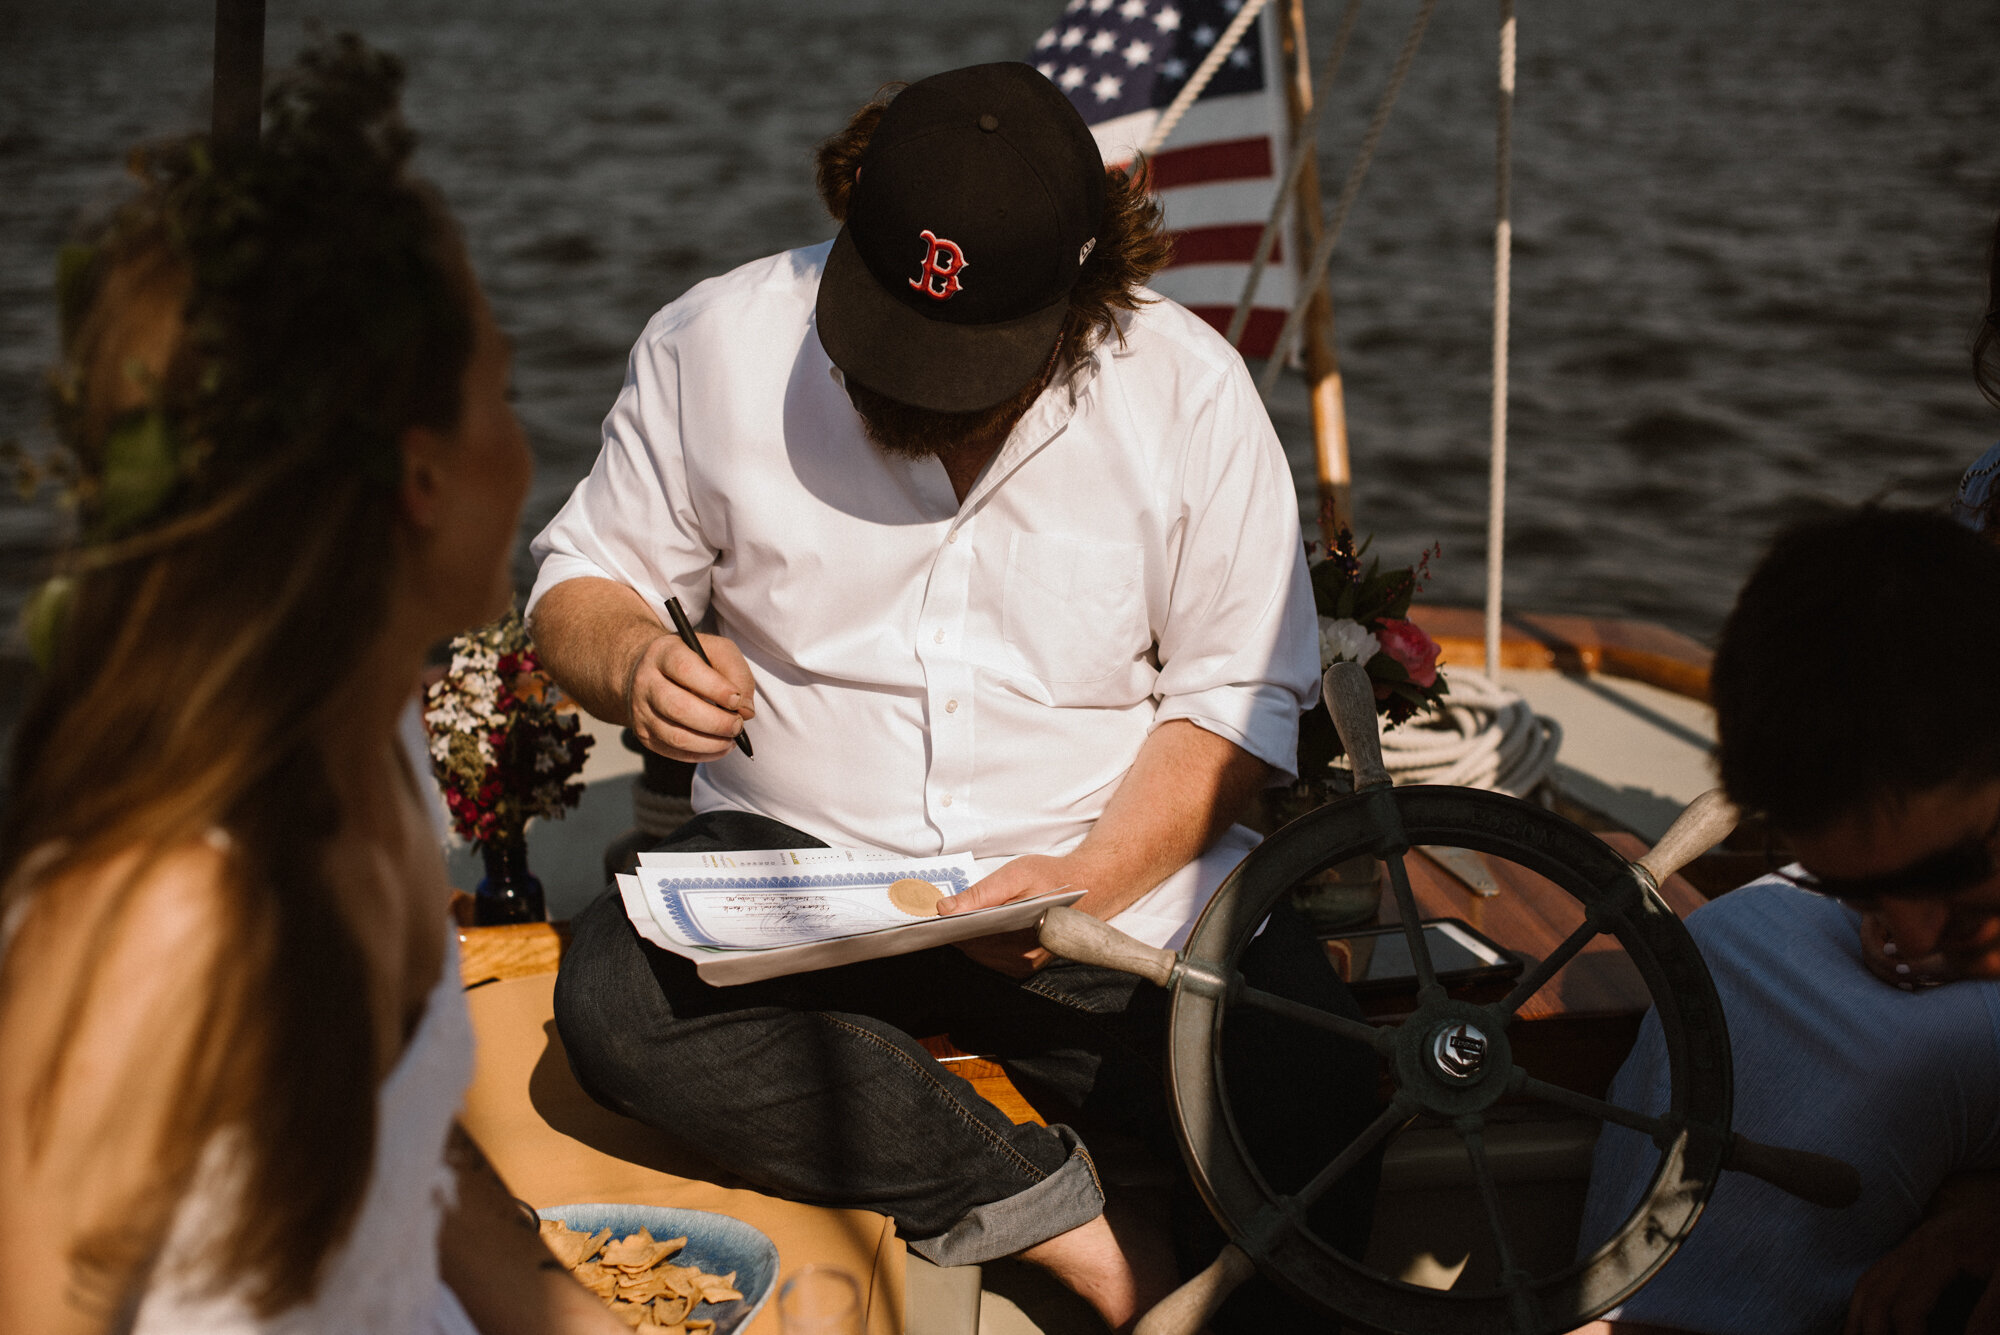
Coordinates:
column 1121, row 62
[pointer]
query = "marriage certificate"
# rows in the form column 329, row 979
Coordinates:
column 759, row 914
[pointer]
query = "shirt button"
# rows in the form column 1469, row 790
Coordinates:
column 938, row 638
column 951, row 536
column 947, row 799
column 951, row 706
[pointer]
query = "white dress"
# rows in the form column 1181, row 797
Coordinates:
column 384, row 1279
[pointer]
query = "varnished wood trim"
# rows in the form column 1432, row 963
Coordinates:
column 1614, row 646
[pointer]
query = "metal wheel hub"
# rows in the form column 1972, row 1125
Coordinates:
column 1451, row 1058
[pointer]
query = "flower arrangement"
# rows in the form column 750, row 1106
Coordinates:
column 1364, row 618
column 502, row 745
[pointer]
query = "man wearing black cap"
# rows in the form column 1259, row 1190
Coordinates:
column 1002, row 558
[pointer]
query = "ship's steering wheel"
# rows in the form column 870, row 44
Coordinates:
column 1449, row 1059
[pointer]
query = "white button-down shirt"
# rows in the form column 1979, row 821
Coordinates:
column 936, row 677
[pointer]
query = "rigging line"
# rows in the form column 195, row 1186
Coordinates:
column 1503, row 299
column 1348, row 190
column 1306, row 144
column 1202, row 74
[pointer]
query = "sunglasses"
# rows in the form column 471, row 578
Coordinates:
column 1940, row 875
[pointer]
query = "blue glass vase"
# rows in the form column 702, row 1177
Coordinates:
column 510, row 893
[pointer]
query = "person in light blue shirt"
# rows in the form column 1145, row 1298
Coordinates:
column 1853, row 700
column 1904, row 1085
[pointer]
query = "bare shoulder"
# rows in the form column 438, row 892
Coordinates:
column 135, row 913
column 103, row 999
column 108, row 975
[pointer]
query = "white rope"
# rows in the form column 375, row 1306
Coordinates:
column 1486, row 736
column 1202, row 74
column 1305, row 145
column 1316, row 274
column 1503, row 277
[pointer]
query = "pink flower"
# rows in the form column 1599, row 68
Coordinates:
column 1406, row 642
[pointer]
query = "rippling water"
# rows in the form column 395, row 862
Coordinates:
column 1749, row 238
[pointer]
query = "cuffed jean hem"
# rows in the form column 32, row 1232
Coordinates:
column 1068, row 1198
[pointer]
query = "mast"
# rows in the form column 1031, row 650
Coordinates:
column 1503, row 260
column 1322, row 358
column 239, row 76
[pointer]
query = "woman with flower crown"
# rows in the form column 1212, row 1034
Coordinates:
column 232, row 1040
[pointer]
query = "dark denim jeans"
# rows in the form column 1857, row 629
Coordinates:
column 814, row 1087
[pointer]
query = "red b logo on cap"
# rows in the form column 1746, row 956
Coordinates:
column 942, row 261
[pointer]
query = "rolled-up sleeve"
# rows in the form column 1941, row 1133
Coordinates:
column 633, row 519
column 1237, row 651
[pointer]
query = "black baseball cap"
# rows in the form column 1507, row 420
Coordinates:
column 973, row 208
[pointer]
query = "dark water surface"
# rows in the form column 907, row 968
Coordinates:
column 1750, row 238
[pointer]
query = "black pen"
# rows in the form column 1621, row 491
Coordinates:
column 685, row 629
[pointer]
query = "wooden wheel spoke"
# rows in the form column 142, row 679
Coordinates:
column 1538, row 977
column 1655, row 1127
column 1512, row 1277
column 1375, row 1036
column 1413, row 924
column 1393, row 1117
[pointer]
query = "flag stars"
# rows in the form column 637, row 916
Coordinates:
column 1240, row 58
column 1099, row 6
column 1071, row 79
column 1046, row 40
column 1204, row 35
column 1107, row 88
column 1176, row 68
column 1168, row 19
column 1047, row 70
column 1070, row 37
column 1132, row 10
column 1138, row 53
column 1102, row 41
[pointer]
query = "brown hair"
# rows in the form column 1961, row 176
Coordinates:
column 272, row 327
column 1132, row 243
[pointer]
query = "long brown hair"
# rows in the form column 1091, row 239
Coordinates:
column 243, row 346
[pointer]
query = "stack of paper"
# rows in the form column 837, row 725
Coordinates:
column 741, row 916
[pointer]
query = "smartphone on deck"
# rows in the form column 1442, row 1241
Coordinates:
column 1375, row 961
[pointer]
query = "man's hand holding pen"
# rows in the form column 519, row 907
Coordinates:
column 690, row 703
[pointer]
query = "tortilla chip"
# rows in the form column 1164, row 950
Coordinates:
column 673, row 1311
column 639, row 1252
column 570, row 1247
column 719, row 1289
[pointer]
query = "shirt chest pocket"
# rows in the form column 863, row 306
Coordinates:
column 1074, row 609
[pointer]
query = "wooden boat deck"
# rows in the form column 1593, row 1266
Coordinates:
column 1637, row 736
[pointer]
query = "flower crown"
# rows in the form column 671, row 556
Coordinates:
column 315, row 288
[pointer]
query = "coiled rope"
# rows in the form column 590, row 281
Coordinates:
column 1485, row 736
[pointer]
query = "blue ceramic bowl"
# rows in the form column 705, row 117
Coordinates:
column 716, row 1243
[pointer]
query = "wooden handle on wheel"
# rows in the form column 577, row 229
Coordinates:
column 1705, row 823
column 1075, row 935
column 1819, row 1179
column 1188, row 1308
column 1350, row 698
